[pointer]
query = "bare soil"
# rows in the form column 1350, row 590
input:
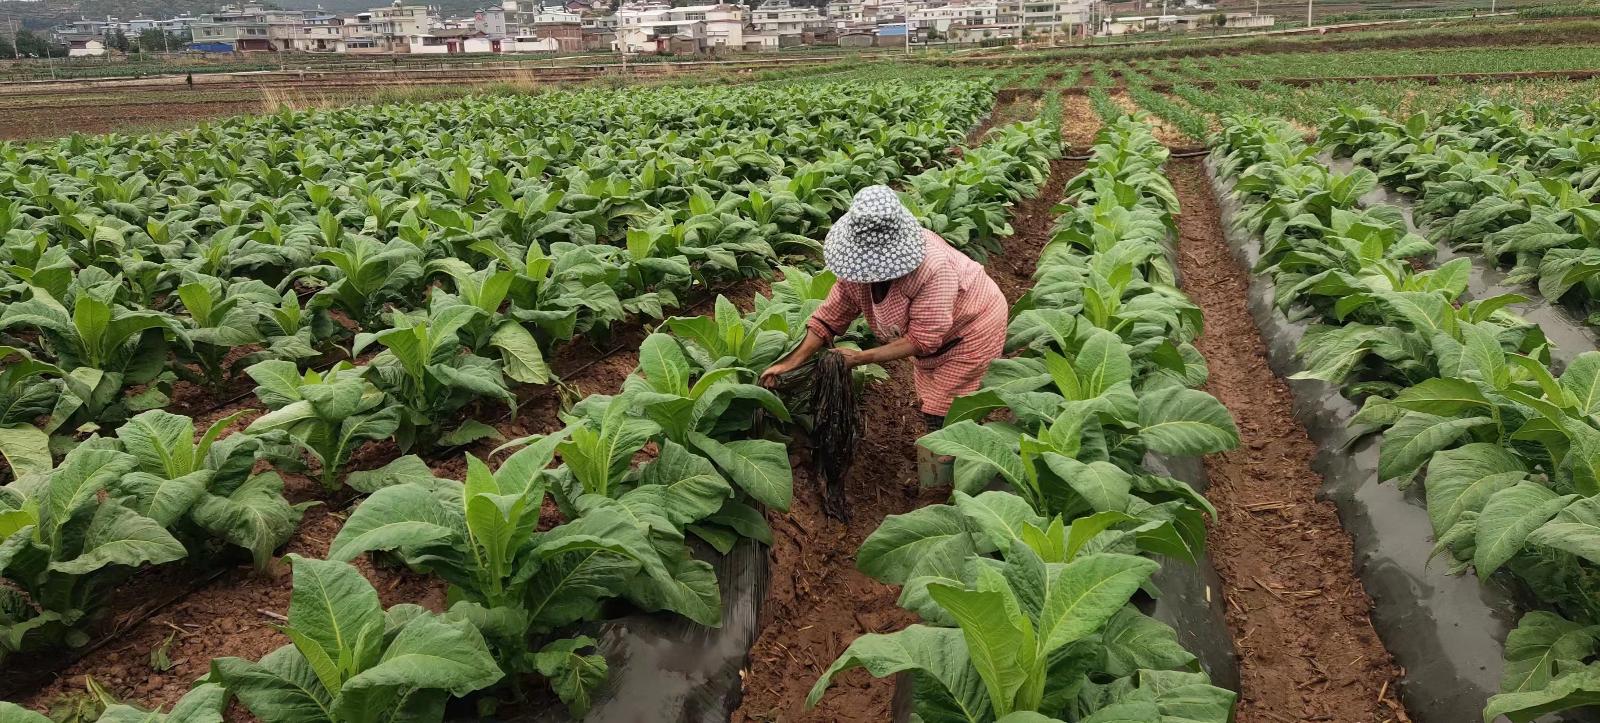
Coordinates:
column 50, row 122
column 817, row 602
column 975, row 136
column 1300, row 617
column 1079, row 123
column 1168, row 135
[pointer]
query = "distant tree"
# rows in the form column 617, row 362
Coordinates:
column 30, row 45
column 149, row 40
column 1219, row 20
column 6, row 51
column 119, row 40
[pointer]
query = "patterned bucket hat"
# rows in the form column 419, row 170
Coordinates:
column 878, row 239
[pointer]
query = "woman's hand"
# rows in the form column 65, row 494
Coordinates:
column 854, row 357
column 769, row 378
column 808, row 347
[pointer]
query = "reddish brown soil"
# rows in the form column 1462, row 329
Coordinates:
column 1164, row 132
column 1300, row 617
column 817, row 602
column 50, row 122
column 975, row 136
column 1079, row 123
column 1032, row 223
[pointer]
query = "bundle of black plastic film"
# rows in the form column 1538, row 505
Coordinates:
column 826, row 389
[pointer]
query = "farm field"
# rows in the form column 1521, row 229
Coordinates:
column 360, row 404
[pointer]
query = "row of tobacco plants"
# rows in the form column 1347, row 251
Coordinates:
column 1026, row 581
column 1488, row 181
column 75, row 529
column 1461, row 390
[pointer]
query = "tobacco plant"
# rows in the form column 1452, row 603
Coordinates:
column 207, row 484
column 327, row 414
column 65, row 543
column 350, row 661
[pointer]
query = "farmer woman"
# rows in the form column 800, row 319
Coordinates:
column 922, row 298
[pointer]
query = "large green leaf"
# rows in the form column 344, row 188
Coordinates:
column 1575, row 688
column 999, row 516
column 1463, row 479
column 402, row 516
column 664, row 365
column 1443, row 396
column 1181, row 421
column 1575, row 530
column 683, row 585
column 409, row 468
column 976, row 443
column 82, row 475
column 26, row 449
column 334, row 611
column 117, row 535
column 255, row 516
column 1103, row 485
column 1413, row 439
column 1508, row 518
column 13, row 713
column 1540, row 646
column 163, row 500
column 520, row 353
column 1581, row 382
column 684, row 486
column 1000, row 651
column 1137, row 711
column 428, row 654
column 572, row 674
column 1086, row 593
column 759, row 466
column 1134, row 641
column 282, row 688
column 939, row 652
column 891, row 552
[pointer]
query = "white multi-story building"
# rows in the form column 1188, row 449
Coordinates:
column 1040, row 17
column 786, row 22
column 648, row 28
column 491, row 22
column 234, row 28
column 398, row 22
column 844, row 14
column 319, row 34
column 940, row 19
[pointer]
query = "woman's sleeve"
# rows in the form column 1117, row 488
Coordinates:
column 933, row 309
column 835, row 314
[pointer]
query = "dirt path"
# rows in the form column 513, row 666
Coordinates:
column 817, row 602
column 1299, row 616
column 1165, row 132
column 1032, row 222
column 1079, row 123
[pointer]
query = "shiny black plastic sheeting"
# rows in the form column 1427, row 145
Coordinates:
column 668, row 669
column 1191, row 598
column 1447, row 632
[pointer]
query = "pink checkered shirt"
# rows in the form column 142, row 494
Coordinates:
column 953, row 313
